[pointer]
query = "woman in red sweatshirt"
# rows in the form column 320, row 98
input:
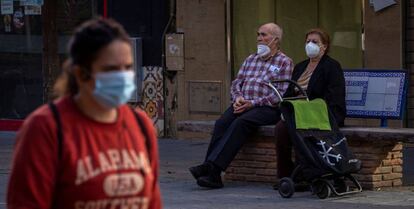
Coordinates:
column 88, row 149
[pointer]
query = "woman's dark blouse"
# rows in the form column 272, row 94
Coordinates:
column 327, row 82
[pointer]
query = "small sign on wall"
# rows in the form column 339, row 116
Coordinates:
column 32, row 10
column 204, row 96
column 31, row 2
column 174, row 47
column 6, row 7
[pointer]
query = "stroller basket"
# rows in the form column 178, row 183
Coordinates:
column 322, row 154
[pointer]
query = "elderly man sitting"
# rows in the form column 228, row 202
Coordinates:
column 254, row 104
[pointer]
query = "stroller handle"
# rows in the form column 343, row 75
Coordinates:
column 305, row 96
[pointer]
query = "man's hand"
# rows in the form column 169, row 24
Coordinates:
column 239, row 102
column 245, row 105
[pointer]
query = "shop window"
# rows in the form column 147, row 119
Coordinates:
column 342, row 19
column 20, row 58
column 22, row 49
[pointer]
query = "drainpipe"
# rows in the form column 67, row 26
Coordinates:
column 165, row 73
column 229, row 76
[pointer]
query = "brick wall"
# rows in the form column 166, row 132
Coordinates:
column 256, row 161
column 409, row 59
column 381, row 162
column 379, row 149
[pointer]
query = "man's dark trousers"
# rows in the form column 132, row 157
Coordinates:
column 232, row 130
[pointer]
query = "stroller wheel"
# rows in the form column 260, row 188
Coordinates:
column 321, row 189
column 286, row 187
column 340, row 185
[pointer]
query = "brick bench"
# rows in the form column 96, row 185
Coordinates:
column 379, row 149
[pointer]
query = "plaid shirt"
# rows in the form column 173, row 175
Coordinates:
column 253, row 75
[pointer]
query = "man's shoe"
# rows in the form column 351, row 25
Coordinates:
column 210, row 181
column 213, row 177
column 199, row 171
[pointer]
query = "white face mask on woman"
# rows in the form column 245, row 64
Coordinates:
column 312, row 50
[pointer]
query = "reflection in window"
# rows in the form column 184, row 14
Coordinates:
column 22, row 50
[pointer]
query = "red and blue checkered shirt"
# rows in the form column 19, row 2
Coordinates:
column 255, row 73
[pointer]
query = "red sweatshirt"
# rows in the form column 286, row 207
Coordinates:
column 103, row 165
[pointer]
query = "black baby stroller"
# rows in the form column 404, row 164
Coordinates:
column 323, row 158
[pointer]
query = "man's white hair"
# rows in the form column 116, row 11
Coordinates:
column 275, row 30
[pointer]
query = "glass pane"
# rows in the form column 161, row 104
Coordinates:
column 248, row 15
column 296, row 17
column 72, row 13
column 343, row 21
column 20, row 59
column 22, row 50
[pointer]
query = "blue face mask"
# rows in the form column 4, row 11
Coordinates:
column 114, row 88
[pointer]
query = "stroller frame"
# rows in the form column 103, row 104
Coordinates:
column 322, row 186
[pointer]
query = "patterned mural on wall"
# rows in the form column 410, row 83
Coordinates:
column 152, row 96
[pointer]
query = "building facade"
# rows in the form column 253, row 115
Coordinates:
column 363, row 36
column 187, row 75
column 33, row 39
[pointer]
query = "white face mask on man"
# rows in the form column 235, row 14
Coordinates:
column 312, row 50
column 263, row 50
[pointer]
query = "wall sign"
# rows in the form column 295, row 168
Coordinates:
column 31, row 2
column 6, row 7
column 375, row 93
column 32, row 10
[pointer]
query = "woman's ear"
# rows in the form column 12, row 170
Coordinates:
column 323, row 47
column 77, row 73
column 80, row 73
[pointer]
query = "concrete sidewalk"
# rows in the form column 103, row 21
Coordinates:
column 179, row 190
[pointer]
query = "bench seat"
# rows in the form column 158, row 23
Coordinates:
column 379, row 149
